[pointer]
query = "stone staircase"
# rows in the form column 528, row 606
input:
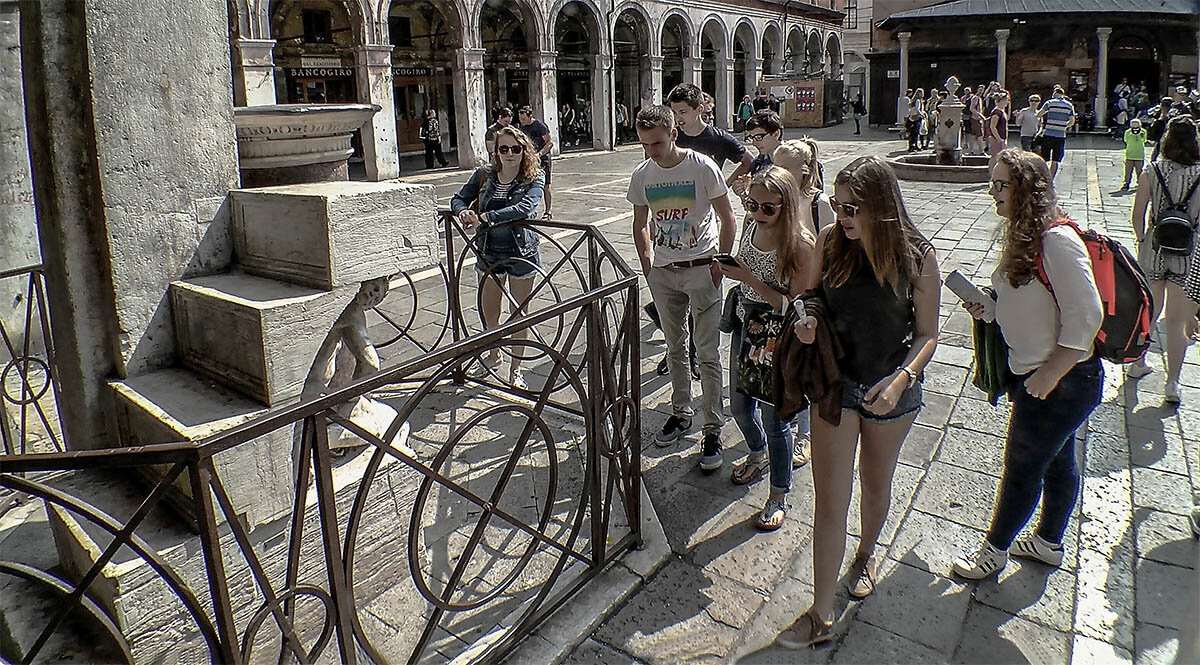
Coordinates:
column 246, row 340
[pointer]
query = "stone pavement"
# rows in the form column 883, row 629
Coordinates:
column 1127, row 591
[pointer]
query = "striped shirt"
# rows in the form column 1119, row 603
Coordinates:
column 1057, row 114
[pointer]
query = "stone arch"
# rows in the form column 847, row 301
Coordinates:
column 725, row 47
column 687, row 30
column 814, row 52
column 535, row 30
column 676, row 46
column 240, row 22
column 744, row 49
column 833, row 56
column 461, row 15
column 357, row 15
column 633, row 43
column 794, row 51
column 652, row 35
column 771, row 48
column 594, row 15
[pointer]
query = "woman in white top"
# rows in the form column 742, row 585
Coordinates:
column 799, row 157
column 1058, row 378
column 775, row 264
column 1174, row 279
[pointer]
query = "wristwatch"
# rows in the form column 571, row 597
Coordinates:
column 912, row 376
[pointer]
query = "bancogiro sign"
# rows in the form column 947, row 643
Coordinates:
column 320, row 72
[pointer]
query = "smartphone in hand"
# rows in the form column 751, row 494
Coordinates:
column 726, row 259
column 968, row 292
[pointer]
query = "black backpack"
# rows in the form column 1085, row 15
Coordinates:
column 1173, row 231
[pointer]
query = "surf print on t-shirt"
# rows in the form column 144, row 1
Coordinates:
column 680, row 217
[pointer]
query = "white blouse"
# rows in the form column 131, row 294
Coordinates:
column 1032, row 323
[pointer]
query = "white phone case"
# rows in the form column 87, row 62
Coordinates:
column 966, row 290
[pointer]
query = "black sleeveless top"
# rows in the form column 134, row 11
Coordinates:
column 874, row 325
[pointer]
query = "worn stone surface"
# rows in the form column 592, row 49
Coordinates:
column 923, row 607
column 993, row 636
column 326, row 235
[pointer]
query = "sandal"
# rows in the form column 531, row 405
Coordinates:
column 807, row 631
column 772, row 515
column 547, row 215
column 749, row 471
column 868, row 574
column 801, row 452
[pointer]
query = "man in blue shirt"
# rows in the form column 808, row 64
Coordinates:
column 1058, row 115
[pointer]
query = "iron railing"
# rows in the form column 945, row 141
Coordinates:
column 28, row 382
column 522, row 518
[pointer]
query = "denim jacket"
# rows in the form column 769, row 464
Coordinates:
column 522, row 203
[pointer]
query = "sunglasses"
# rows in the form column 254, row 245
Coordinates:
column 755, row 138
column 769, row 209
column 1000, row 185
column 847, row 209
column 508, row 149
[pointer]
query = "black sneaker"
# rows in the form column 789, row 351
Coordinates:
column 674, row 428
column 695, row 368
column 662, row 369
column 710, row 452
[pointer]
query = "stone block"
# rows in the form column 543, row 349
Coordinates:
column 258, row 336
column 331, row 234
column 174, row 405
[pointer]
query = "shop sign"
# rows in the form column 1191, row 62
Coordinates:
column 320, row 61
column 575, row 74
column 518, row 74
column 320, row 72
column 893, row 73
column 411, row 72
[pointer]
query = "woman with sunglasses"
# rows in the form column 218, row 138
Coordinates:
column 879, row 284
column 775, row 263
column 498, row 198
column 1058, row 379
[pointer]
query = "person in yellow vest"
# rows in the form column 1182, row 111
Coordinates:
column 1135, row 151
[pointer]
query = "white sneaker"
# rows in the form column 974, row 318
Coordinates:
column 987, row 560
column 1038, row 549
column 1171, row 392
column 1138, row 369
column 516, row 377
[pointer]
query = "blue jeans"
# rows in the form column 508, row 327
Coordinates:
column 761, row 427
column 1039, row 456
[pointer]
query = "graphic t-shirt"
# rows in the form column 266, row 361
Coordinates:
column 718, row 144
column 682, row 224
column 537, row 131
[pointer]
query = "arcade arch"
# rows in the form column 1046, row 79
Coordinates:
column 676, row 52
column 772, row 50
column 631, row 65
column 577, row 43
column 424, row 36
column 794, row 61
column 715, row 69
column 745, row 62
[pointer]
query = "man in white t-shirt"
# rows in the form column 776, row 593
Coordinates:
column 675, row 194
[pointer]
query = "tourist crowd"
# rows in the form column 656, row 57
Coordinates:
column 833, row 311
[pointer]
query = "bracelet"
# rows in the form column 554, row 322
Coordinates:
column 912, row 376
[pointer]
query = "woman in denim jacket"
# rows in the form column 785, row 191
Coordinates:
column 496, row 198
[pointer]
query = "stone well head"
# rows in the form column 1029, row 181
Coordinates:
column 288, row 144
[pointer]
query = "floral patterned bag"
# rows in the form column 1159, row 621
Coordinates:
column 760, row 334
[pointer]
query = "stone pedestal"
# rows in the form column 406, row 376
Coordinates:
column 253, row 72
column 949, row 129
column 904, row 38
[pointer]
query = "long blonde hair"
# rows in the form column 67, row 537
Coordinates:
column 890, row 242
column 794, row 242
column 531, row 166
column 805, row 152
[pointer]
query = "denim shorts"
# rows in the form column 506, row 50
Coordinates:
column 853, row 393
column 500, row 255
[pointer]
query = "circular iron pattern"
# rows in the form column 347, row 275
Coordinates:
column 25, row 377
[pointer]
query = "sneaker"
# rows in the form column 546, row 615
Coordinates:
column 695, row 366
column 516, row 377
column 807, row 631
column 987, row 560
column 662, row 369
column 674, row 428
column 1194, row 518
column 1171, row 392
column 710, row 452
column 1038, row 549
column 801, row 451
column 1138, row 369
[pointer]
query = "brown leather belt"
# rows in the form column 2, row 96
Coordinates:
column 691, row 264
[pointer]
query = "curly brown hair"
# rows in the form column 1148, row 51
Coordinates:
column 1032, row 207
column 890, row 241
column 531, row 164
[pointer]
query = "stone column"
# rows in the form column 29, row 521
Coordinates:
column 253, row 72
column 1002, row 56
column 18, row 218
column 603, row 102
column 1102, row 77
column 655, row 94
column 752, row 74
column 723, row 109
column 543, row 92
column 691, row 71
column 501, row 88
column 470, row 112
column 904, row 38
column 373, row 76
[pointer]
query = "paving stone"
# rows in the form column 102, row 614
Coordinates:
column 932, row 543
column 1162, row 491
column 757, row 646
column 959, row 495
column 735, row 549
column 1162, row 593
column 1105, row 596
column 935, row 411
column 992, row 636
column 920, row 606
column 920, row 445
column 979, row 416
column 658, row 625
column 1161, row 450
column 1164, row 537
column 1155, row 645
column 954, row 355
column 865, row 643
column 592, row 652
column 1087, row 651
column 972, row 450
column 688, row 512
column 945, row 379
column 1032, row 591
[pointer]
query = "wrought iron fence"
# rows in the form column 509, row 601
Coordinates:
column 482, row 531
column 28, row 383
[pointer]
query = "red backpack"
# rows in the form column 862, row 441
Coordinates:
column 1125, row 333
